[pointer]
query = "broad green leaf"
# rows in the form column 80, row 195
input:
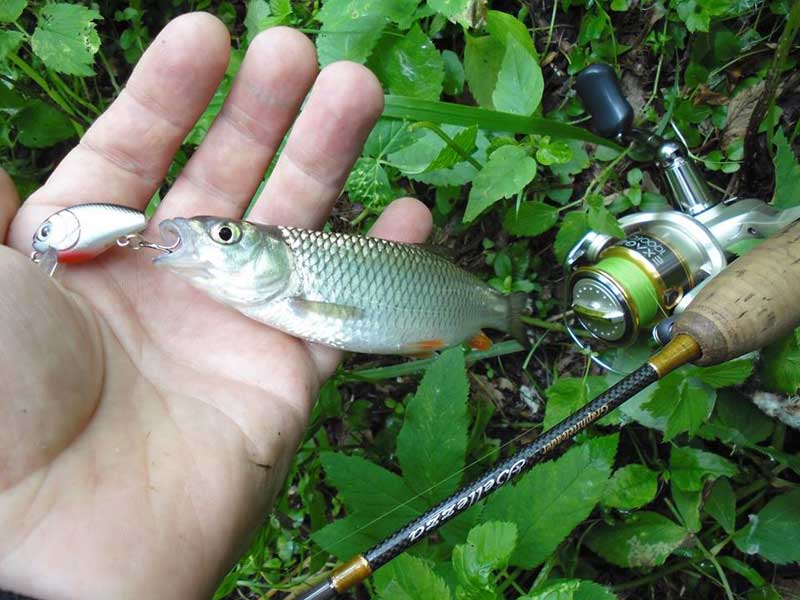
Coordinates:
column 774, row 532
column 787, row 173
column 10, row 10
column 65, row 38
column 733, row 372
column 433, row 441
column 600, row 218
column 646, row 539
column 409, row 65
column 570, row 589
column 532, row 219
column 690, row 468
column 368, row 183
column 688, row 505
column 685, row 402
column 482, row 59
column 553, row 498
column 519, row 83
column 574, row 226
column 553, row 152
column 737, row 421
column 502, row 26
column 9, row 98
column 448, row 157
column 388, row 136
column 9, row 42
column 408, row 577
column 721, row 504
column 262, row 15
column 351, row 28
column 568, row 394
column 630, row 487
column 780, row 365
column 488, row 548
column 454, row 76
column 378, row 502
column 39, row 125
column 468, row 13
column 507, row 172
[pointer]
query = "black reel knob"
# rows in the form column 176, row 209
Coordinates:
column 599, row 90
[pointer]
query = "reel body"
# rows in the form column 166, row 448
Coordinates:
column 618, row 288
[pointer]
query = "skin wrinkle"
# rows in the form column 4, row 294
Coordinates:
column 246, row 125
column 117, row 159
column 153, row 106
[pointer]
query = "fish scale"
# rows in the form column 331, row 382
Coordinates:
column 350, row 292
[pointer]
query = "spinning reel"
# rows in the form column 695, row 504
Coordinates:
column 618, row 288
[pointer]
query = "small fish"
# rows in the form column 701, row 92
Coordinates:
column 82, row 232
column 351, row 292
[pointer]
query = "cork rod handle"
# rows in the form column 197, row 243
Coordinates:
column 752, row 303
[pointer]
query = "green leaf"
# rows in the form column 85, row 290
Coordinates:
column 462, row 12
column 448, row 157
column 9, row 98
column 433, row 441
column 65, row 38
column 410, row 578
column 369, row 183
column 409, row 65
column 780, row 365
column 39, row 125
column 574, row 226
column 688, row 506
column 519, row 83
column 553, row 152
column 507, row 172
column 482, row 59
column 454, row 76
column 503, row 26
column 685, row 401
column 570, row 589
column 737, row 421
column 630, row 487
column 10, row 10
column 733, row 372
column 532, row 219
column 554, row 497
column 388, row 136
column 787, row 173
column 646, row 539
column 601, row 220
column 377, row 501
column 262, row 15
column 721, row 504
column 690, row 468
column 568, row 394
column 774, row 532
column 9, row 42
column 351, row 28
column 488, row 548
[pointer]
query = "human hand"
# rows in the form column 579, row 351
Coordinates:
column 145, row 429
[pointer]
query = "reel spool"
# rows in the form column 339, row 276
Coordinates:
column 618, row 288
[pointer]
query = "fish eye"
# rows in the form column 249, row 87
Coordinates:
column 44, row 231
column 226, row 233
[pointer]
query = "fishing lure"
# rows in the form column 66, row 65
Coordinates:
column 351, row 292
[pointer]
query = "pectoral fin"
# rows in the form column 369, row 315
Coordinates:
column 327, row 309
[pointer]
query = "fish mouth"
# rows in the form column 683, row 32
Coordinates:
column 175, row 234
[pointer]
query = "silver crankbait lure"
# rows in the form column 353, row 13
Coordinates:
column 351, row 292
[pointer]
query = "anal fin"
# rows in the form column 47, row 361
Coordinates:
column 480, row 341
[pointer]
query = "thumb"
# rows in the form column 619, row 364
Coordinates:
column 9, row 202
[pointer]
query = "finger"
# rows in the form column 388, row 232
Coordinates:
column 404, row 220
column 9, row 202
column 326, row 140
column 125, row 154
column 225, row 171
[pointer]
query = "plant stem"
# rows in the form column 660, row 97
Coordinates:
column 658, row 575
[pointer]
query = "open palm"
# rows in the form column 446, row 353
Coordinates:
column 144, row 429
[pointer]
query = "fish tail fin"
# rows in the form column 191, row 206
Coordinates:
column 517, row 306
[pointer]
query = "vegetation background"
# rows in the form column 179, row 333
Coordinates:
column 692, row 490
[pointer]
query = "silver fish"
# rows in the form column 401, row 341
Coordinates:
column 351, row 292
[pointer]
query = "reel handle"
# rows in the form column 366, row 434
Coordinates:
column 751, row 304
column 599, row 90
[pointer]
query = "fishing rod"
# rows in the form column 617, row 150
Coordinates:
column 746, row 307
